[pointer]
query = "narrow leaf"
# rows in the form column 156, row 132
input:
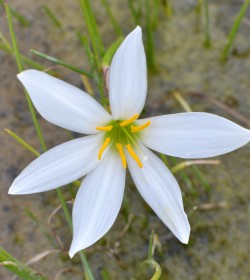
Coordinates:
column 19, row 269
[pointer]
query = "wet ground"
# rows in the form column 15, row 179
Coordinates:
column 220, row 238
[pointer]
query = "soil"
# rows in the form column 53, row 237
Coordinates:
column 219, row 217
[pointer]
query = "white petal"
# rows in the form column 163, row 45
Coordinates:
column 59, row 166
column 159, row 188
column 63, row 104
column 193, row 135
column 97, row 203
column 128, row 77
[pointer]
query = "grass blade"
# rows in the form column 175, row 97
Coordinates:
column 4, row 40
column 168, row 8
column 20, row 68
column 153, row 243
column 95, row 68
column 134, row 12
column 92, row 30
column 207, row 42
column 21, row 19
column 19, row 269
column 6, row 46
column 42, row 229
column 52, row 16
column 62, row 63
column 234, row 30
column 22, row 142
column 150, row 48
column 198, row 7
column 116, row 26
column 25, row 59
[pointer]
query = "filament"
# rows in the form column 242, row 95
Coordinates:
column 141, row 127
column 122, row 155
column 129, row 121
column 104, row 128
column 134, row 155
column 103, row 147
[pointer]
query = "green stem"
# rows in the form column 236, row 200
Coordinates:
column 116, row 26
column 150, row 246
column 20, row 68
column 22, row 142
column 62, row 63
column 149, row 39
column 234, row 30
column 88, row 273
column 97, row 45
column 189, row 184
column 134, row 12
column 94, row 68
column 21, row 19
column 153, row 264
column 65, row 208
column 25, row 59
column 198, row 173
column 52, row 16
column 168, row 8
column 5, row 41
column 207, row 42
column 198, row 7
column 6, row 46
column 155, row 14
column 92, row 30
column 13, row 38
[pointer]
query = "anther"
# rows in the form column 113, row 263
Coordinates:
column 134, row 155
column 141, row 127
column 103, row 147
column 129, row 121
column 104, row 128
column 122, row 155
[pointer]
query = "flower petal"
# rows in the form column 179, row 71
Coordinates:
column 59, row 166
column 97, row 203
column 159, row 188
column 128, row 77
column 63, row 104
column 193, row 135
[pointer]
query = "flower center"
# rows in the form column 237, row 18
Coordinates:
column 121, row 134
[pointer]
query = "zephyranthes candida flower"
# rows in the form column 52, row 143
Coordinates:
column 119, row 140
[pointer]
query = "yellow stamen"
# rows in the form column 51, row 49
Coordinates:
column 141, row 127
column 104, row 128
column 135, row 117
column 103, row 147
column 122, row 155
column 134, row 155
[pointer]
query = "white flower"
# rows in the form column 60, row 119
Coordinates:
column 116, row 141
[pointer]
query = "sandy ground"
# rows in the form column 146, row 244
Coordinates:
column 220, row 239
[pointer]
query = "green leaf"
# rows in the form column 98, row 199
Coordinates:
column 52, row 16
column 19, row 269
column 62, row 63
